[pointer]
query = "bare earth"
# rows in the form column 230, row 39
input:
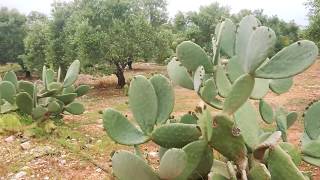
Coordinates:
column 80, row 149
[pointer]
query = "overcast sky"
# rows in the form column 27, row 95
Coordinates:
column 285, row 9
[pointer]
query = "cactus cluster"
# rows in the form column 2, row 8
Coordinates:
column 41, row 101
column 239, row 73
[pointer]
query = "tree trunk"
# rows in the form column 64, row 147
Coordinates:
column 130, row 65
column 28, row 74
column 120, row 75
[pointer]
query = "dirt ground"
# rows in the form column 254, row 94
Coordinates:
column 80, row 149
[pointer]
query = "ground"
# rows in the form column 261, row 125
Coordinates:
column 80, row 149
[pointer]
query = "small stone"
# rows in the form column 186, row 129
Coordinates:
column 25, row 145
column 62, row 162
column 98, row 170
column 19, row 175
column 153, row 154
column 46, row 178
column 10, row 139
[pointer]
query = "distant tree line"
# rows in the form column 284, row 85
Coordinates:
column 114, row 33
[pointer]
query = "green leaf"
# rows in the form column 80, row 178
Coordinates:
column 280, row 86
column 174, row 135
column 261, row 88
column 260, row 44
column 222, row 82
column 290, row 61
column 127, row 166
column 311, row 121
column 266, row 112
column 165, row 97
column 239, row 94
column 121, row 130
column 8, row 91
column 72, row 74
column 172, row 163
column 192, row 56
column 11, row 77
column 75, row 108
column 179, row 75
column 143, row 103
column 24, row 102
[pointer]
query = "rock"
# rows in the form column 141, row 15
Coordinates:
column 62, row 162
column 10, row 139
column 25, row 145
column 98, row 170
column 19, row 175
column 153, row 154
column 46, row 178
column 42, row 151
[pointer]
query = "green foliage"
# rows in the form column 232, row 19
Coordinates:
column 234, row 132
column 42, row 102
column 12, row 33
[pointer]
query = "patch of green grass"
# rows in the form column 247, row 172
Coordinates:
column 121, row 107
column 10, row 66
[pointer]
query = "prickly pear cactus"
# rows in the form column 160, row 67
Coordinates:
column 42, row 102
column 240, row 72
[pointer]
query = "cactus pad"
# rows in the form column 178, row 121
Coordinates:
column 121, row 130
column 75, row 108
column 127, row 166
column 172, row 164
column 143, row 103
column 311, row 121
column 72, row 73
column 290, row 61
column 179, row 74
column 165, row 97
column 192, row 56
column 266, row 112
column 8, row 91
column 239, row 94
column 173, row 135
column 24, row 102
column 280, row 86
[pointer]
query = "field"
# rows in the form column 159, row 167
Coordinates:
column 80, row 149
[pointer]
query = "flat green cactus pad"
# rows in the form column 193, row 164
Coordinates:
column 179, row 74
column 72, row 74
column 127, row 166
column 292, row 117
column 246, row 120
column 282, row 125
column 172, row 163
column 234, row 69
column 67, row 98
column 175, row 135
column 312, row 121
column 290, row 61
column 8, row 91
column 55, row 86
column 239, row 94
column 260, row 44
column 223, row 128
column 24, row 102
column 312, row 149
column 49, row 76
column 39, row 112
column 192, row 56
column 261, row 88
column 280, row 86
column 121, row 130
column 11, row 77
column 222, row 82
column 293, row 152
column 188, row 119
column 82, row 90
column 311, row 160
column 143, row 103
column 228, row 38
column 165, row 97
column 208, row 94
column 244, row 31
column 281, row 165
column 54, row 107
column 195, row 152
column 259, row 172
column 266, row 112
column 75, row 108
column 26, row 86
column 69, row 89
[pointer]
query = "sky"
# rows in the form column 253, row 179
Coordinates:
column 285, row 9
